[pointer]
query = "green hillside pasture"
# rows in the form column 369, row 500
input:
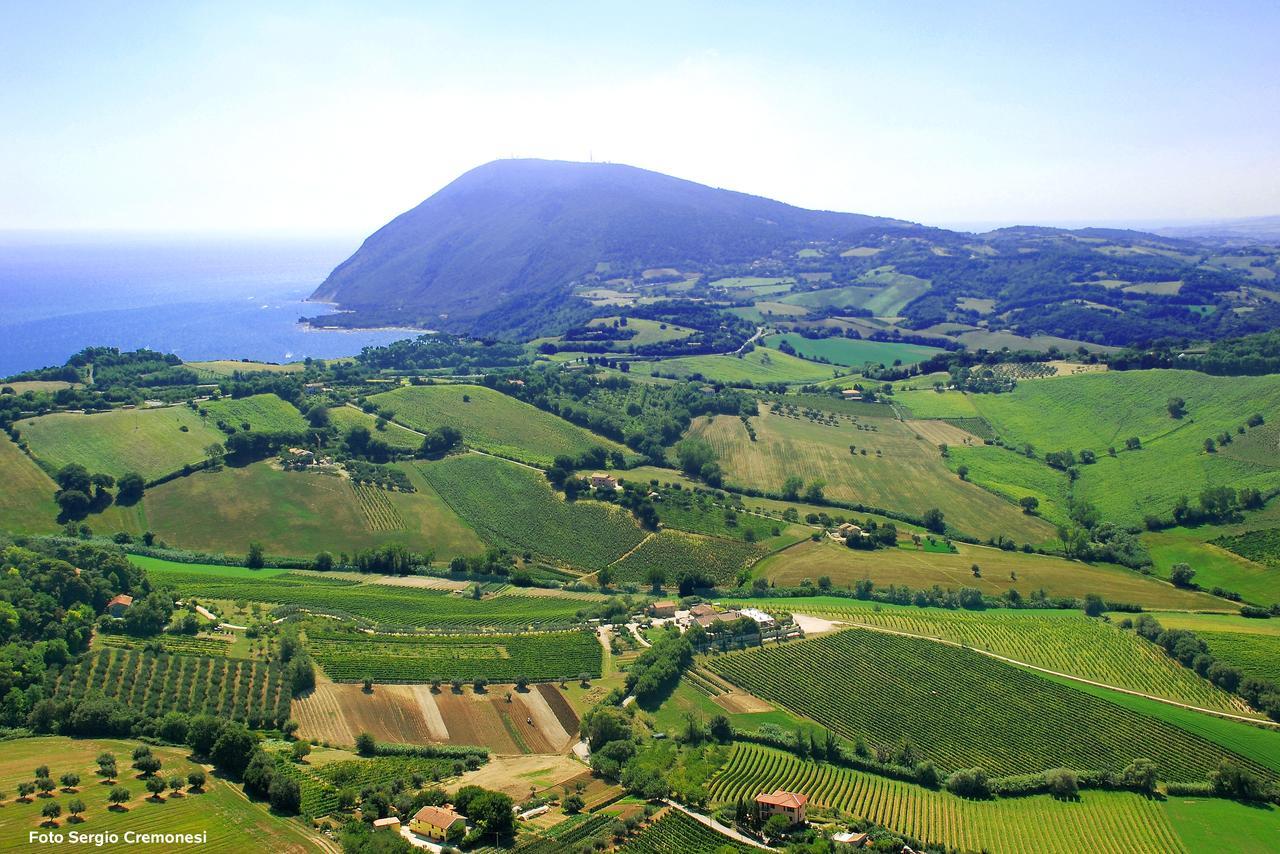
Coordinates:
column 499, row 658
column 401, row 438
column 854, row 352
column 1214, row 565
column 514, row 507
column 264, row 413
column 699, row 513
column 491, row 421
column 298, row 514
column 392, row 607
column 647, row 331
column 921, row 570
column 759, row 366
column 850, row 296
column 829, row 403
column 1099, row 410
column 677, row 833
column 748, row 282
column 1065, row 641
column 908, row 474
column 899, row 289
column 252, row 691
column 26, row 499
column 1259, row 445
column 229, row 367
column 926, row 403
column 1115, row 822
column 234, row 823
column 1014, row 476
column 148, row 441
column 1214, row 824
column 675, row 552
column 960, row 708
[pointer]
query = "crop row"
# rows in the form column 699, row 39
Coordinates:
column 960, row 708
column 378, row 511
column 675, row 553
column 182, row 644
column 677, row 833
column 254, row 692
column 422, row 658
column 568, row 834
column 1100, row 821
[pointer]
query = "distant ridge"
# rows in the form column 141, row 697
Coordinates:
column 513, row 235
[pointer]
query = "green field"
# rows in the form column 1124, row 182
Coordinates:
column 926, row 403
column 1212, row 825
column 514, row 507
column 26, row 501
column 490, row 421
column 349, row 657
column 1014, row 476
column 950, row 701
column 230, row 367
column 748, row 282
column 252, row 691
column 854, row 352
column 677, row 833
column 1250, row 644
column 1063, row 641
column 148, row 441
column 674, row 552
column 907, row 474
column 1116, row 822
column 300, row 513
column 234, row 823
column 1214, row 565
column 921, row 570
column 897, row 289
column 759, row 366
column 850, row 296
column 647, row 331
column 1258, row 546
column 392, row 607
column 264, row 413
column 400, row 438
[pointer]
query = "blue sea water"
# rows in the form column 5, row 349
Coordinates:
column 200, row 297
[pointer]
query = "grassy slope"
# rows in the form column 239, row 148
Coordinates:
column 853, row 351
column 909, row 475
column 1014, row 476
column 1214, row 566
column 919, row 569
column 1211, row 825
column 148, row 441
column 760, row 366
column 264, row 413
column 347, row 417
column 490, row 421
column 26, row 499
column 234, row 824
column 295, row 513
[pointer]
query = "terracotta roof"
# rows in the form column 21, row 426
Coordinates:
column 701, row 609
column 437, row 816
column 389, row 821
column 121, row 599
column 783, row 799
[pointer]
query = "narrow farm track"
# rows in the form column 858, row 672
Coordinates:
column 1081, row 679
column 718, row 828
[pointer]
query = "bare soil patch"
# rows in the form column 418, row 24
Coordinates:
column 560, row 706
column 740, row 703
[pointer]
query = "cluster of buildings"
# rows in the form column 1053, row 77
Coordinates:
column 847, row 531
column 301, row 458
column 440, row 824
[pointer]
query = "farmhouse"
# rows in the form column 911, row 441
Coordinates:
column 708, row 620
column 599, row 480
column 847, row 531
column 851, row 394
column 764, row 619
column 313, row 388
column 437, row 823
column 851, row 838
column 790, row 805
column 301, row 455
column 119, row 604
column 702, row 609
column 662, row 609
column 390, row 821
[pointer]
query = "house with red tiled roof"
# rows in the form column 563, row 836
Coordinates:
column 438, row 823
column 119, row 604
column 789, row 805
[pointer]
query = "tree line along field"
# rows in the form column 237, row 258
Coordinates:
column 514, row 507
column 899, row 472
column 1001, row 570
column 852, row 352
column 234, row 823
column 1119, row 822
column 1251, row 645
column 1063, row 641
column 491, row 421
column 677, row 833
column 394, row 607
column 345, row 418
column 298, row 514
column 251, row 691
column 348, row 657
column 962, row 709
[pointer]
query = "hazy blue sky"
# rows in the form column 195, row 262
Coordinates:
column 334, row 117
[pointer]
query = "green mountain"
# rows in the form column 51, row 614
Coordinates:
column 515, row 236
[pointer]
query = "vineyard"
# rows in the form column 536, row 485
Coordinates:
column 979, row 427
column 320, row 784
column 422, row 658
column 1065, row 641
column 951, row 701
column 179, row 644
column 254, row 692
column 571, row 832
column 378, row 511
column 1259, row 546
column 1118, row 822
column 675, row 552
column 678, row 833
column 514, row 507
column 1255, row 654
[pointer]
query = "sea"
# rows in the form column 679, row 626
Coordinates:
column 197, row 296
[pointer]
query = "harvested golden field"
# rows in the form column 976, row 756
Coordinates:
column 898, row 472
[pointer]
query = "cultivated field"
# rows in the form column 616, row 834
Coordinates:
column 949, row 701
column 853, row 352
column 899, row 472
column 1118, row 822
column 490, row 421
column 677, row 833
column 647, row 331
column 151, row 442
column 26, row 500
column 401, row 438
column 234, row 823
column 1216, row 824
column 1215, row 566
column 229, row 367
column 1000, row 571
column 760, row 366
column 513, row 506
column 675, row 552
column 534, row 721
column 264, row 413
column 299, row 513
